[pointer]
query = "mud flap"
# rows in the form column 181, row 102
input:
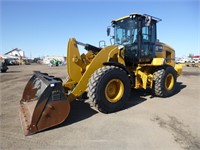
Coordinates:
column 43, row 104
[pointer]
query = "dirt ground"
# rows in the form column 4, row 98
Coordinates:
column 146, row 123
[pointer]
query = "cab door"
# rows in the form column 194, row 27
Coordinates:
column 148, row 35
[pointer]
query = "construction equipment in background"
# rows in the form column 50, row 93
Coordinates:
column 3, row 65
column 136, row 60
column 25, row 62
column 55, row 62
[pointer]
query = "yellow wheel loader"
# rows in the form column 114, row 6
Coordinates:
column 136, row 59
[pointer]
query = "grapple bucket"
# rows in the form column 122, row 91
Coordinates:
column 43, row 104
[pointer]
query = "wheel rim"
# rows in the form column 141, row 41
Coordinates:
column 114, row 90
column 169, row 82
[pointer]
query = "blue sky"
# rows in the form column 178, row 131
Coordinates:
column 44, row 27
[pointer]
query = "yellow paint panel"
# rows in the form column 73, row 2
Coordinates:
column 158, row 61
column 74, row 61
column 103, row 56
column 179, row 69
column 121, row 18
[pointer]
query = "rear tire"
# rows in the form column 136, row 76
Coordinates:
column 165, row 82
column 109, row 89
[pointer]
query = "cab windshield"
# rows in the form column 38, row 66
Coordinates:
column 125, row 31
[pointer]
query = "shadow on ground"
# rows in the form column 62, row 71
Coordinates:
column 137, row 96
column 180, row 86
column 188, row 73
column 8, row 71
column 81, row 110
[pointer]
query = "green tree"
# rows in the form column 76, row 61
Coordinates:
column 190, row 55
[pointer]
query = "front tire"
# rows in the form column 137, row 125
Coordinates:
column 165, row 82
column 109, row 88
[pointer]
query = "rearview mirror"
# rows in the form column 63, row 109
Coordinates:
column 108, row 31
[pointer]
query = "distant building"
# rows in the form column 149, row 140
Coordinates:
column 196, row 59
column 197, row 56
column 16, row 52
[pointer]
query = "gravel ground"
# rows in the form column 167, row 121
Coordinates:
column 146, row 123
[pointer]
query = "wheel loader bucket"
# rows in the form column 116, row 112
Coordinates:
column 43, row 104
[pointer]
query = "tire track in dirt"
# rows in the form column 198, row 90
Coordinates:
column 180, row 132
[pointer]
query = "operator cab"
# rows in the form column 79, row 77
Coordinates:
column 137, row 33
